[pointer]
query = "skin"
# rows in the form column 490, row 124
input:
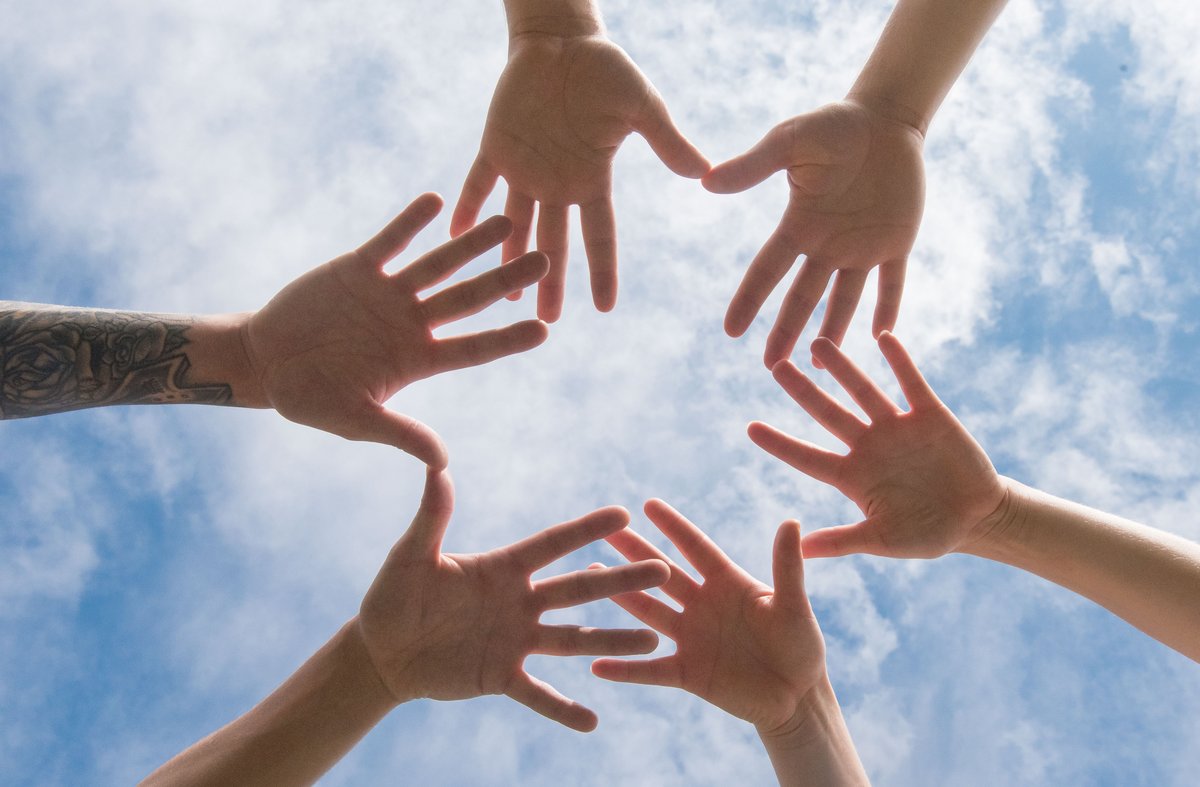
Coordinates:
column 856, row 177
column 564, row 103
column 328, row 351
column 753, row 651
column 433, row 626
column 926, row 488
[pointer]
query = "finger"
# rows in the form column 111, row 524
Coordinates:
column 431, row 268
column 648, row 672
column 798, row 305
column 843, row 300
column 826, row 410
column 481, row 179
column 584, row 641
column 772, row 153
column 600, row 242
column 825, row 466
column 651, row 611
column 552, row 241
column 655, row 125
column 545, row 547
column 580, row 587
column 375, row 423
column 473, row 349
column 787, row 568
column 764, row 274
column 679, row 586
column 476, row 294
column 861, row 538
column 393, row 238
column 433, row 515
column 874, row 402
column 891, row 287
column 519, row 209
column 542, row 698
column 912, row 383
column 691, row 541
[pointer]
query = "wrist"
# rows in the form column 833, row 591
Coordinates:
column 816, row 713
column 554, row 18
column 218, row 353
column 1001, row 531
column 890, row 111
column 355, row 646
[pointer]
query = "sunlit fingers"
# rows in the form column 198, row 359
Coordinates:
column 519, row 209
column 585, row 641
column 552, row 229
column 704, row 555
column 825, row 466
column 476, row 294
column 843, row 301
column 826, row 410
column 392, row 239
column 473, row 349
column 679, row 585
column 665, row 671
column 542, row 698
column 891, row 287
column 580, row 587
column 862, row 389
column 437, row 265
column 481, row 179
column 543, row 548
column 798, row 305
column 764, row 274
column 599, row 226
column 651, row 611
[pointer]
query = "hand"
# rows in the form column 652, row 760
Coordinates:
column 562, row 107
column 449, row 627
column 857, row 191
column 751, row 651
column 333, row 346
column 922, row 482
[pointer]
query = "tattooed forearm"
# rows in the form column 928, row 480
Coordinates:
column 54, row 359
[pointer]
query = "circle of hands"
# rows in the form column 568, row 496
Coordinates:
column 332, row 347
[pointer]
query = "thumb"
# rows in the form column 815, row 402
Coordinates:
column 375, row 423
column 667, row 141
column 773, row 152
column 787, row 567
column 861, row 538
column 433, row 515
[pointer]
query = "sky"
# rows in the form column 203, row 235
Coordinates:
column 162, row 569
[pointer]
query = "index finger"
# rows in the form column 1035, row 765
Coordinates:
column 392, row 239
column 691, row 541
column 542, row 549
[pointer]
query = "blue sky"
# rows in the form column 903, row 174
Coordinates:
column 162, row 569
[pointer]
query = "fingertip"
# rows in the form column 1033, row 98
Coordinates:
column 735, row 324
column 612, row 518
column 647, row 642
column 587, row 722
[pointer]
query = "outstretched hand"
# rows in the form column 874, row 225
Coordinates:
column 334, row 345
column 857, row 190
column 451, row 627
column 923, row 484
column 754, row 652
column 561, row 109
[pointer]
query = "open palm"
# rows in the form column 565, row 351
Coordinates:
column 562, row 107
column 856, row 194
column 752, row 651
column 450, row 627
column 922, row 482
column 334, row 345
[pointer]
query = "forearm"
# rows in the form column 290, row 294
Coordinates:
column 553, row 17
column 1148, row 577
column 815, row 747
column 297, row 733
column 57, row 358
column 924, row 47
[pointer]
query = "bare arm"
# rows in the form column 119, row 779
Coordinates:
column 924, row 46
column 926, row 488
column 1143, row 575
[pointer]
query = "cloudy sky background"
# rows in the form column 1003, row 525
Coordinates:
column 161, row 569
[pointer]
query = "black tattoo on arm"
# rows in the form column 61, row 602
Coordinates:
column 55, row 358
